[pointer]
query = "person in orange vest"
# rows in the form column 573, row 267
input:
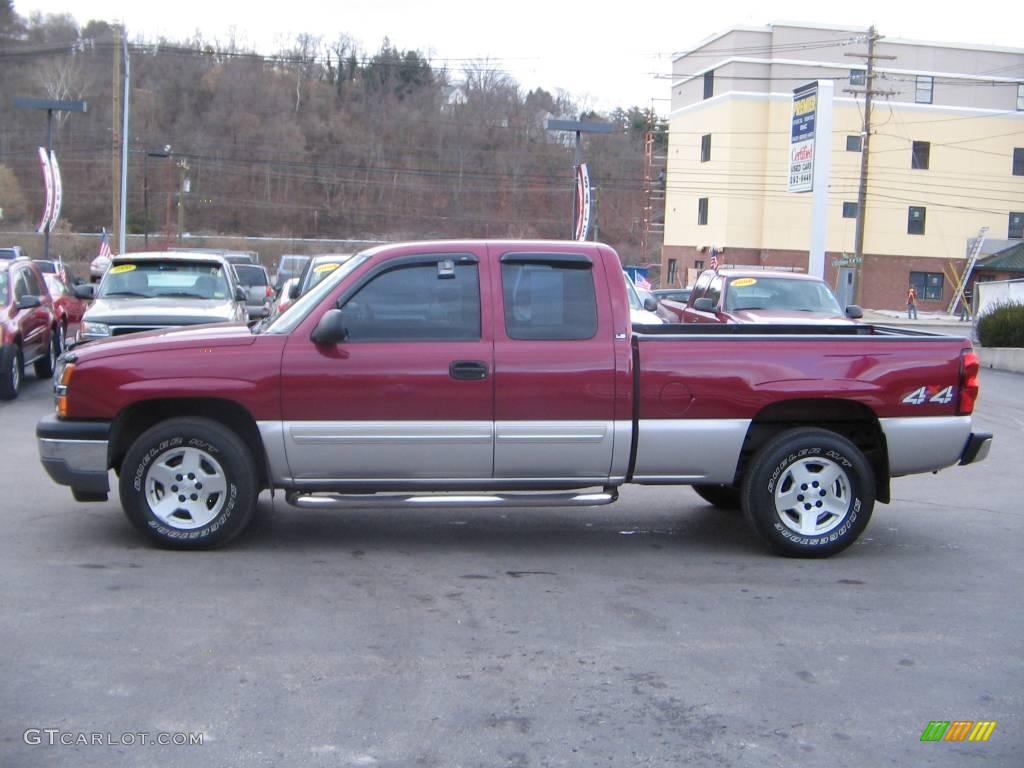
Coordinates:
column 911, row 304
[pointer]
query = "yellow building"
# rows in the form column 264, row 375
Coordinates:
column 946, row 158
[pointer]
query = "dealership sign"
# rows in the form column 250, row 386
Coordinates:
column 801, row 143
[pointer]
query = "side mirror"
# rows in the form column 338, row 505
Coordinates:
column 293, row 292
column 704, row 304
column 85, row 291
column 240, row 294
column 854, row 312
column 651, row 304
column 330, row 329
column 29, row 302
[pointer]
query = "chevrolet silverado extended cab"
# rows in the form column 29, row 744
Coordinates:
column 493, row 373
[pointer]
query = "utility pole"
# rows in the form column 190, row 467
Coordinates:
column 862, row 188
column 183, row 187
column 115, row 175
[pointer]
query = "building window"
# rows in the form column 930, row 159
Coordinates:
column 849, row 210
column 702, row 211
column 1018, row 161
column 923, row 92
column 1015, row 231
column 919, row 155
column 705, row 147
column 709, row 84
column 854, row 143
column 915, row 220
column 673, row 269
column 858, row 77
column 698, row 265
column 927, row 285
column 1020, row 97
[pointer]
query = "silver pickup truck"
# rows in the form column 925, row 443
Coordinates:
column 151, row 291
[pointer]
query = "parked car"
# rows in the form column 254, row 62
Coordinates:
column 68, row 309
column 671, row 302
column 151, row 291
column 765, row 297
column 98, row 267
column 258, row 291
column 291, row 265
column 12, row 252
column 641, row 311
column 27, row 325
column 284, row 298
column 316, row 269
column 56, row 267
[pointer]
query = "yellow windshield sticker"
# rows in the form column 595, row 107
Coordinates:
column 744, row 282
column 122, row 268
column 325, row 268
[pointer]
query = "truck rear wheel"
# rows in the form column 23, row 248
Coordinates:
column 809, row 492
column 189, row 483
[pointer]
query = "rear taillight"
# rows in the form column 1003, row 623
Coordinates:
column 270, row 292
column 969, row 367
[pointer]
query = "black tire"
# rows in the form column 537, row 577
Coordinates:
column 162, row 479
column 10, row 371
column 44, row 366
column 816, row 518
column 720, row 496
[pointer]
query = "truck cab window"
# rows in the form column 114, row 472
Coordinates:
column 549, row 301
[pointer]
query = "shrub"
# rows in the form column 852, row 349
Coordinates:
column 1002, row 326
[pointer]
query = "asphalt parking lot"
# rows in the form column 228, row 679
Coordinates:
column 654, row 632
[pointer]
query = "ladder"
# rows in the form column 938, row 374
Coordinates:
column 972, row 259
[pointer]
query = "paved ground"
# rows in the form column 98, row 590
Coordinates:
column 655, row 632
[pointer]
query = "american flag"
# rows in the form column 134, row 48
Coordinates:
column 105, row 245
column 714, row 259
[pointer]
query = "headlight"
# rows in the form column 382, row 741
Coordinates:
column 91, row 330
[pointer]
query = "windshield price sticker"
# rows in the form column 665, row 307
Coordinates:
column 325, row 268
column 122, row 268
column 744, row 282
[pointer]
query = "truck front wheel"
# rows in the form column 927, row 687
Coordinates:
column 809, row 492
column 189, row 483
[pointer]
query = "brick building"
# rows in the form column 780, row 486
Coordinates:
column 946, row 158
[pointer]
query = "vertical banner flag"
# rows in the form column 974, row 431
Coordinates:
column 801, row 143
column 58, row 190
column 583, row 202
column 714, row 258
column 44, row 164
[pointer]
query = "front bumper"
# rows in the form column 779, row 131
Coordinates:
column 977, row 448
column 74, row 453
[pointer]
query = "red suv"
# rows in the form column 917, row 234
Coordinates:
column 26, row 325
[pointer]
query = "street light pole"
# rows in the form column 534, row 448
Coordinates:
column 145, row 189
column 578, row 127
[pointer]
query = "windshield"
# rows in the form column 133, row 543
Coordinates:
column 780, row 293
column 3, row 287
column 153, row 279
column 249, row 274
column 319, row 270
column 297, row 312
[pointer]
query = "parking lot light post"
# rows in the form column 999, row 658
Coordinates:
column 166, row 152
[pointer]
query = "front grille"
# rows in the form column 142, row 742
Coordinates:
column 121, row 330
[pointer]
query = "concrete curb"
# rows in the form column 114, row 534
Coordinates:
column 1002, row 358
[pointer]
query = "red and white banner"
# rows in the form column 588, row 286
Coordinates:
column 44, row 164
column 58, row 190
column 583, row 201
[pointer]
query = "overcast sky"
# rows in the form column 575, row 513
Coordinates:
column 605, row 56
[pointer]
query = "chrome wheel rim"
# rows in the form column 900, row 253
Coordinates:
column 15, row 372
column 61, row 338
column 186, row 488
column 812, row 497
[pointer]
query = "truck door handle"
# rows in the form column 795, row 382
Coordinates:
column 468, row 370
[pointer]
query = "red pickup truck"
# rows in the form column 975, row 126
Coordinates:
column 504, row 373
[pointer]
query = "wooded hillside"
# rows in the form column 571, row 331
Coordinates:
column 321, row 140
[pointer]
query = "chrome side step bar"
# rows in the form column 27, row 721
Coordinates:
column 525, row 499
